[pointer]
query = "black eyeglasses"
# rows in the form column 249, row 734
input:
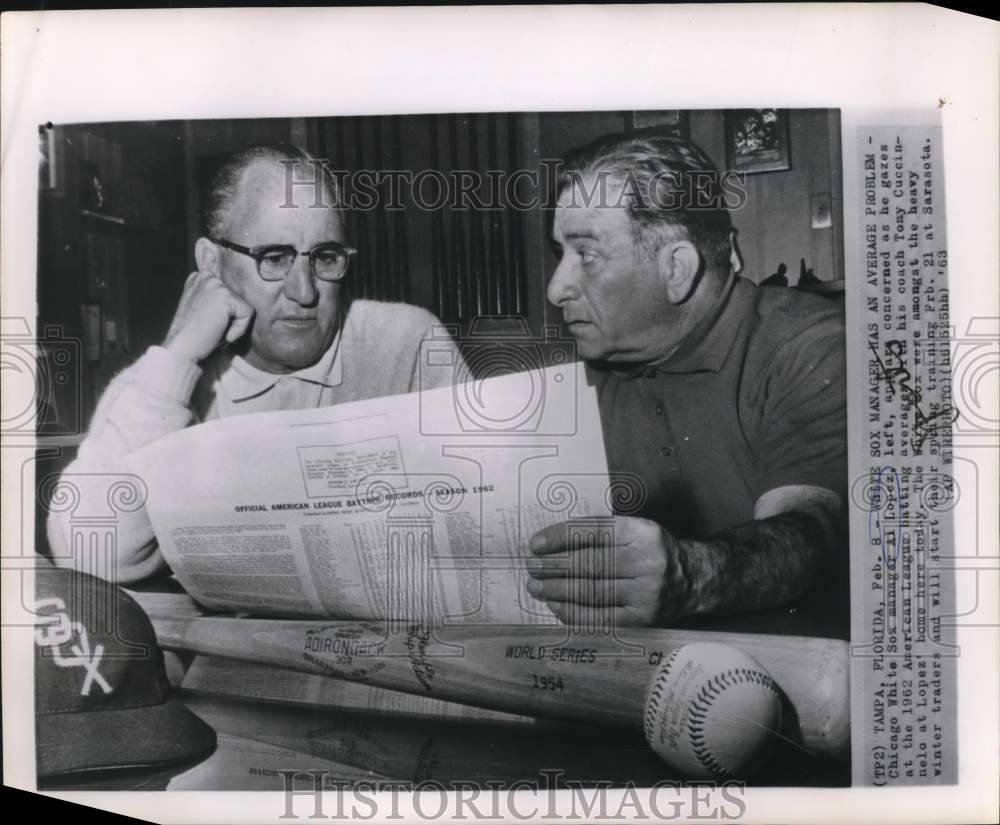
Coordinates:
column 327, row 261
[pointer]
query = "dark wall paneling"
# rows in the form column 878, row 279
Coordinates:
column 112, row 263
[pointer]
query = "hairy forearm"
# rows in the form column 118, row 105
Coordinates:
column 756, row 565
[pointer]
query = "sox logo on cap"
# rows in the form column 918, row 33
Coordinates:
column 54, row 629
column 103, row 701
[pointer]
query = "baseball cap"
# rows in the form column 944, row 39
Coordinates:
column 102, row 698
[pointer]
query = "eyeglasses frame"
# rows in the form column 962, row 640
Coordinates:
column 257, row 253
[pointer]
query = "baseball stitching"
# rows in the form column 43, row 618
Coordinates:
column 701, row 704
column 656, row 694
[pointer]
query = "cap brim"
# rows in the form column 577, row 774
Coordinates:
column 128, row 738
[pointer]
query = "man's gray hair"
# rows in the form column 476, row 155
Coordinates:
column 668, row 184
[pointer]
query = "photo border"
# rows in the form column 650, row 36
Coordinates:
column 867, row 61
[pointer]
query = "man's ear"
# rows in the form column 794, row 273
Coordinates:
column 735, row 256
column 680, row 263
column 206, row 256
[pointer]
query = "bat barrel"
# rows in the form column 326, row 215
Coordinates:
column 548, row 671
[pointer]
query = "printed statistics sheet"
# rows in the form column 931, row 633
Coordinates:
column 399, row 508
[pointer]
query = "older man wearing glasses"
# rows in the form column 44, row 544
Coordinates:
column 263, row 325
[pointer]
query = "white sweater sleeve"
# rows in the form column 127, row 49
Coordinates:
column 97, row 496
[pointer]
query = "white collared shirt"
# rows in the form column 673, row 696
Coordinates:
column 236, row 387
column 382, row 349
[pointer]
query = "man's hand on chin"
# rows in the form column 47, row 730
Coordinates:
column 637, row 578
column 208, row 313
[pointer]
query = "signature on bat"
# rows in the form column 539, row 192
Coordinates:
column 899, row 380
column 417, row 639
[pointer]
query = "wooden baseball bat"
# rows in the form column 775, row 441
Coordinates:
column 534, row 671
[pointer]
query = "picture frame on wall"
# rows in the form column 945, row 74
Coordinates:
column 672, row 121
column 758, row 140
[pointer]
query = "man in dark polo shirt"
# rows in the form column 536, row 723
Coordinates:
column 723, row 403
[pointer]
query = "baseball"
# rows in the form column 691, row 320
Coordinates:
column 711, row 711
